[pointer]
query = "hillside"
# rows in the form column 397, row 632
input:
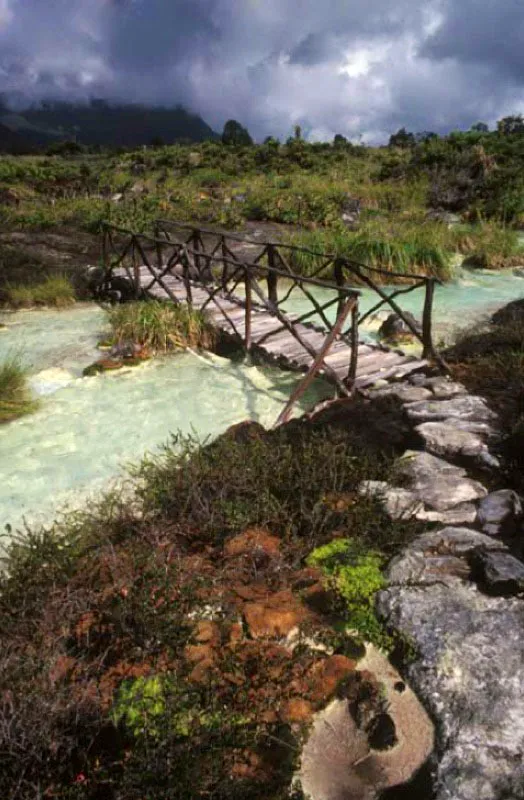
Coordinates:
column 99, row 123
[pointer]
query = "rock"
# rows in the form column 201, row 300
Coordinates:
column 296, row 710
column 404, row 504
column 255, row 543
column 351, row 212
column 348, row 753
column 467, row 407
column 439, row 485
column 394, row 329
column 325, row 675
column 500, row 573
column 438, row 556
column 470, row 426
column 405, row 392
column 461, row 514
column 116, row 198
column 244, row 432
column 468, row 672
column 446, row 217
column 274, row 617
column 207, row 632
column 513, row 312
column 443, row 388
column 444, row 440
column 519, row 272
column 500, row 513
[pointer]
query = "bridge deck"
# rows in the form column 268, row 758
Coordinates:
column 374, row 361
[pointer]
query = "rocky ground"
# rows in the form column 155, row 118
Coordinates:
column 457, row 591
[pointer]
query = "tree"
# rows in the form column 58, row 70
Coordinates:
column 508, row 125
column 340, row 141
column 235, row 134
column 402, row 139
column 425, row 136
column 298, row 133
column 480, row 127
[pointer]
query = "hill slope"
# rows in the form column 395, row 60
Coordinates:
column 99, row 123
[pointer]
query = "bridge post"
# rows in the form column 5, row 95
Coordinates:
column 136, row 270
column 352, row 374
column 249, row 305
column 339, row 280
column 427, row 320
column 272, row 277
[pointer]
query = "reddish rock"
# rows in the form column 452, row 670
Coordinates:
column 207, row 632
column 253, row 542
column 195, row 653
column 245, row 431
column 276, row 616
column 324, row 676
column 236, row 634
column 296, row 710
column 305, row 577
column 252, row 591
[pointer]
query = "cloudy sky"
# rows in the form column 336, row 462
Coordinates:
column 357, row 67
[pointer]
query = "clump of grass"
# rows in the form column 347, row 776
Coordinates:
column 15, row 395
column 404, row 249
column 488, row 245
column 160, row 326
column 56, row 291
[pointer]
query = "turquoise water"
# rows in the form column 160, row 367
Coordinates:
column 88, row 429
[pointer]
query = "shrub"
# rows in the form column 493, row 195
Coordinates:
column 15, row 395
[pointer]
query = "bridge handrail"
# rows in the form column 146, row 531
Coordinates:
column 194, row 247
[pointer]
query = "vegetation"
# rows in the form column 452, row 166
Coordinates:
column 160, row 326
column 55, row 290
column 15, row 395
column 124, row 669
column 402, row 190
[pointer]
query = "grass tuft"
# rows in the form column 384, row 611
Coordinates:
column 15, row 395
column 56, row 291
column 160, row 326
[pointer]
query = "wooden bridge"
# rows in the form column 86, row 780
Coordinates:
column 244, row 285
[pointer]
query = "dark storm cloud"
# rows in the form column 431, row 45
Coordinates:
column 351, row 66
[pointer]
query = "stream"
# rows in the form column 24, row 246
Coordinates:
column 86, row 430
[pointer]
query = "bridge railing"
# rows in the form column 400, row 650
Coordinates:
column 343, row 271
column 151, row 261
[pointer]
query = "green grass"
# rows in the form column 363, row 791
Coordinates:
column 15, row 396
column 160, row 326
column 56, row 291
column 404, row 248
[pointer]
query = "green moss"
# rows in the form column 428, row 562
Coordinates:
column 356, row 577
column 149, row 706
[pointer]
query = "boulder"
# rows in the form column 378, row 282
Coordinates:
column 445, row 440
column 439, row 485
column 500, row 573
column 394, row 329
column 464, row 407
column 513, row 312
column 500, row 513
column 351, row 212
column 468, row 670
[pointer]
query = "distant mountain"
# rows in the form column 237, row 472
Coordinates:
column 22, row 141
column 99, row 123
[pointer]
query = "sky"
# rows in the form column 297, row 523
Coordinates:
column 363, row 68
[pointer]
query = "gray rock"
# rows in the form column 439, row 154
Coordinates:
column 443, row 388
column 513, row 312
column 459, row 542
column 462, row 514
column 403, row 391
column 439, row 485
column 398, row 503
column 470, row 426
column 468, row 672
column 500, row 513
column 395, row 329
column 445, row 440
column 501, row 573
column 467, row 407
